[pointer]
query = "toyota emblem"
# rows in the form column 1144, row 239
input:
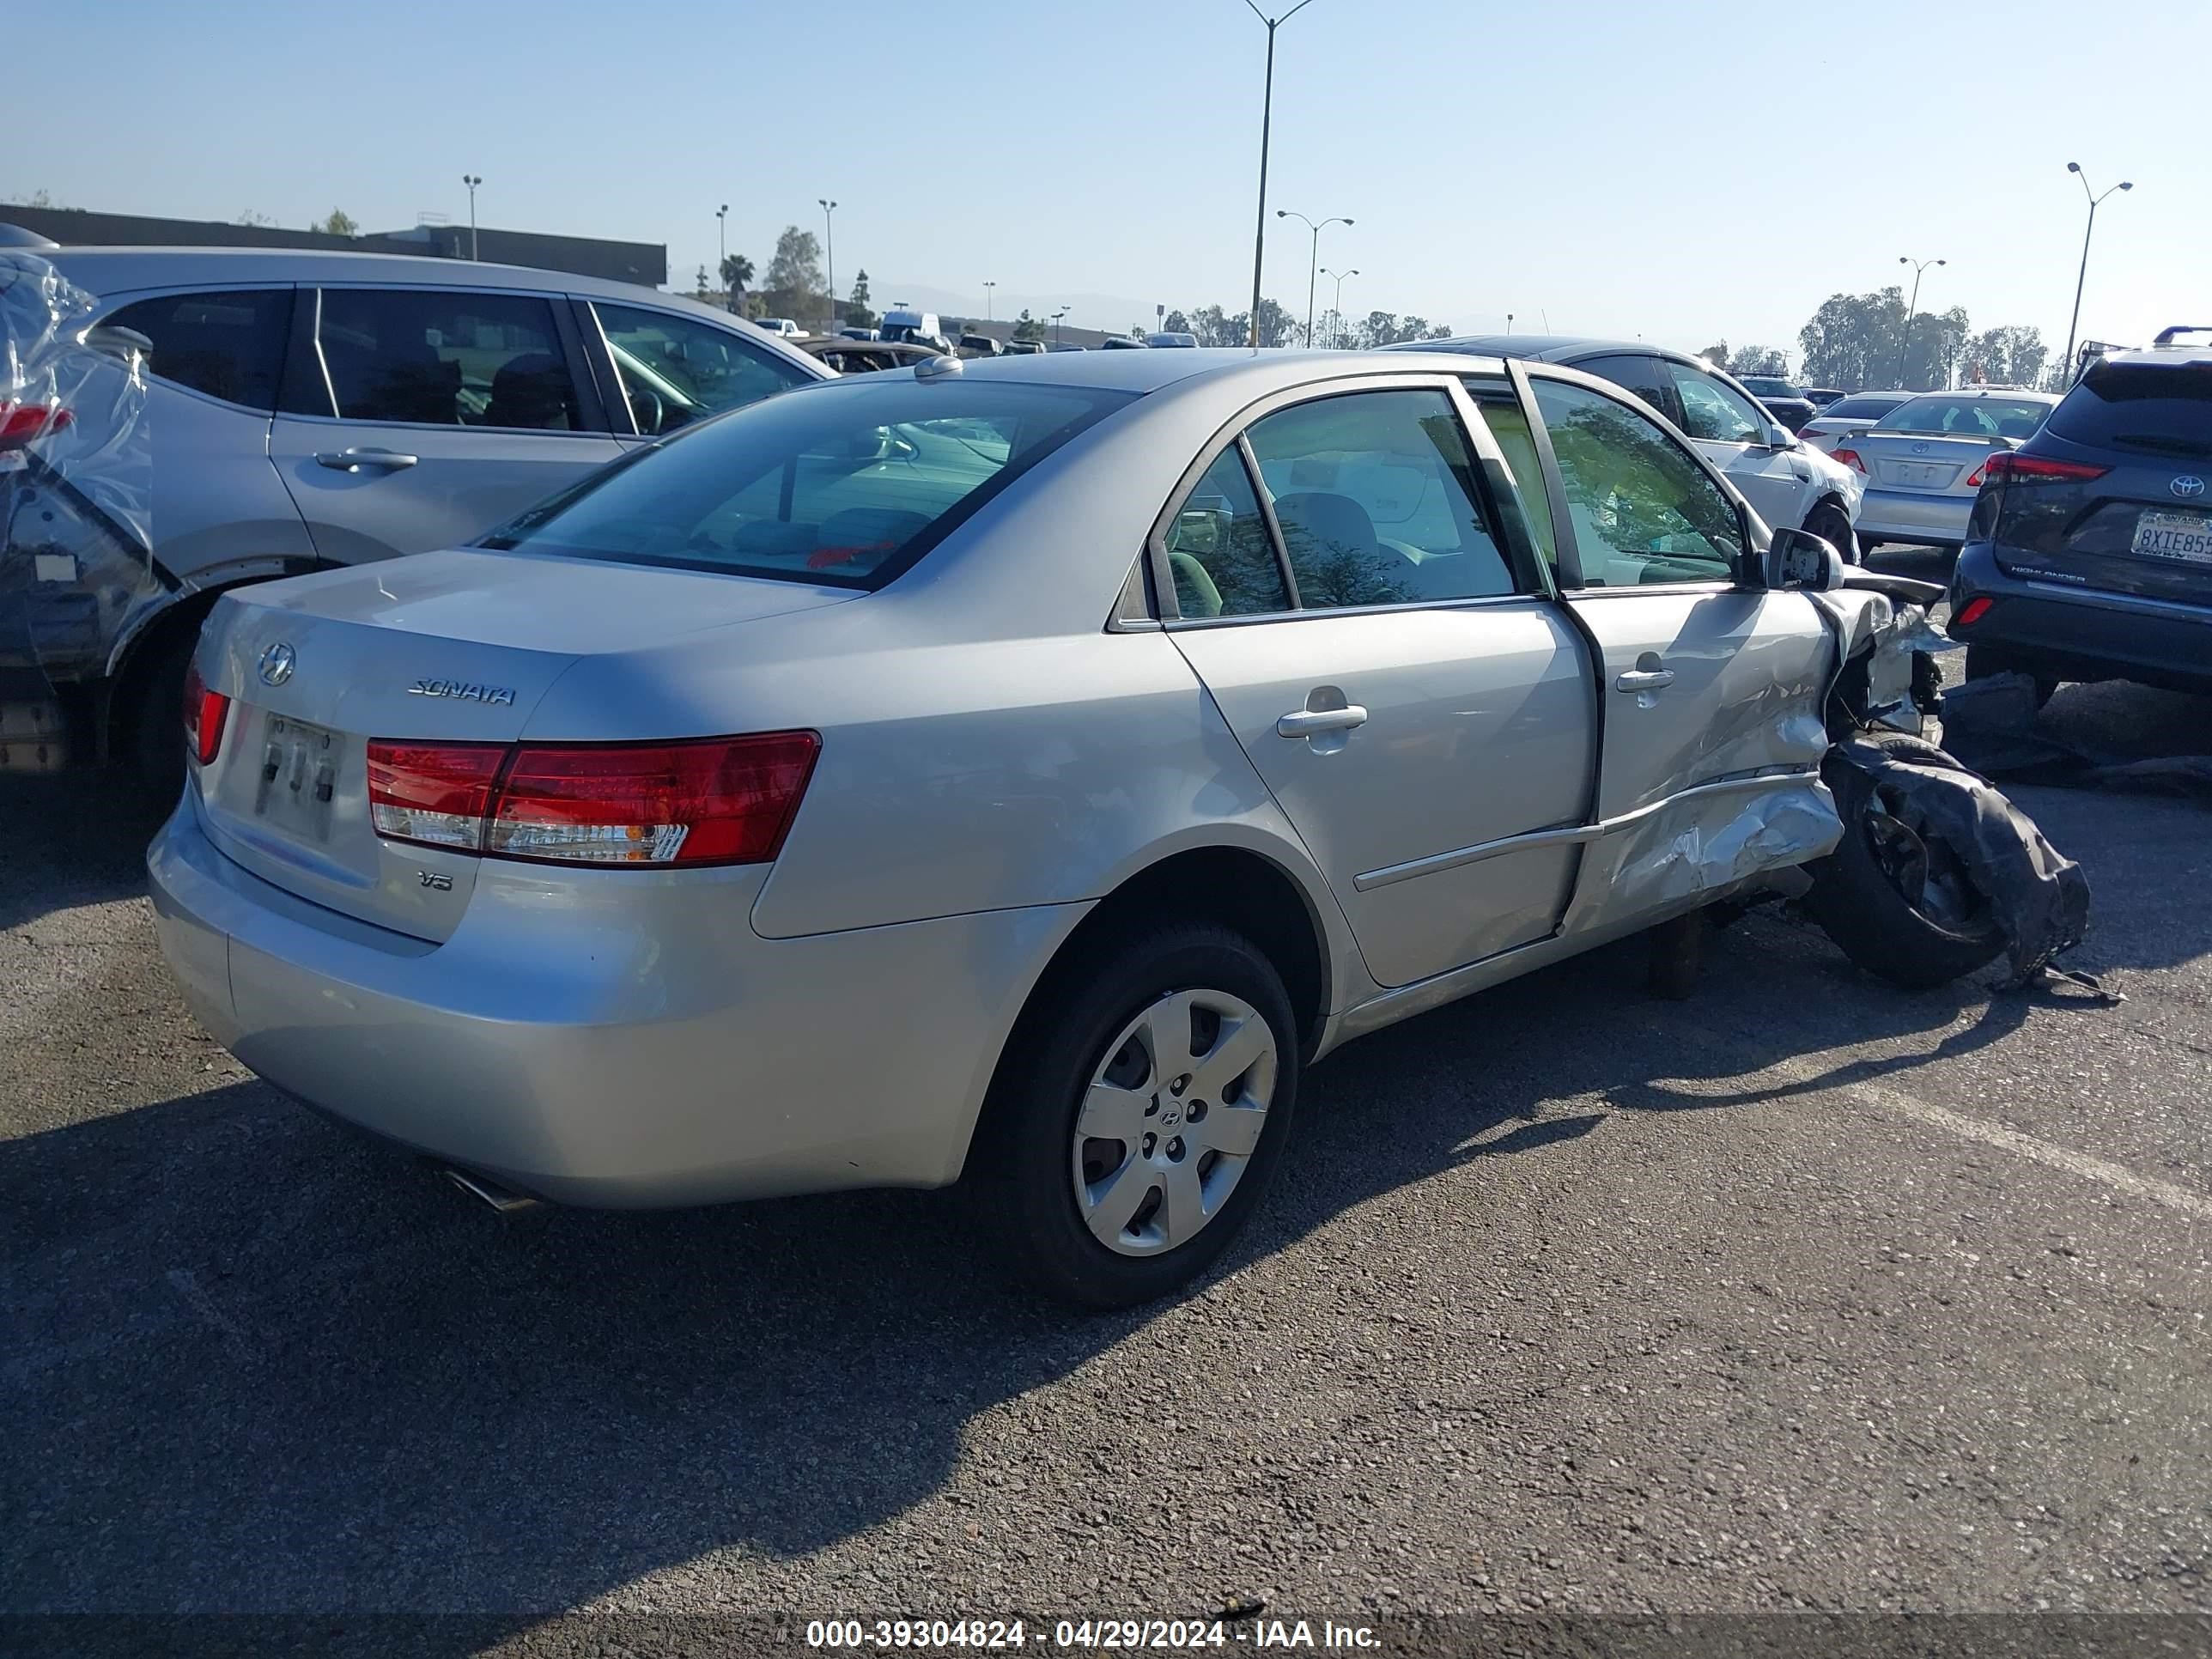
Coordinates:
column 277, row 662
column 2188, row 486
column 1920, row 449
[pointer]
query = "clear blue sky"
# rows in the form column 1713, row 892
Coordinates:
column 1627, row 168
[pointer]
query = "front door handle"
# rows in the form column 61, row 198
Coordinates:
column 352, row 460
column 1644, row 679
column 1315, row 722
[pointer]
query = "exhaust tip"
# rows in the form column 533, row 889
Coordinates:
column 504, row 1201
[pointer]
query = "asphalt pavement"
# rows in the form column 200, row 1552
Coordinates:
column 1801, row 1293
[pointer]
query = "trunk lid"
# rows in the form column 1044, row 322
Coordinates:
column 444, row 648
column 1918, row 463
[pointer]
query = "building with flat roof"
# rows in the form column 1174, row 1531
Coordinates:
column 643, row 262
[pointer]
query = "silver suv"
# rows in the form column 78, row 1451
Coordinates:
column 300, row 410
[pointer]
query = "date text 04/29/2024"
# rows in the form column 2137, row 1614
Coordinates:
column 1110, row 1634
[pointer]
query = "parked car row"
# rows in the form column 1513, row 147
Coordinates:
column 1020, row 772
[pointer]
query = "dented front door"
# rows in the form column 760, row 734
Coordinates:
column 1711, row 688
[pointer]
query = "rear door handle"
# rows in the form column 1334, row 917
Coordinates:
column 352, row 460
column 1313, row 722
column 1644, row 679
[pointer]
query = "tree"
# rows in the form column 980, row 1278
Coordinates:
column 1716, row 353
column 795, row 284
column 1859, row 340
column 340, row 223
column 1176, row 322
column 1276, row 327
column 857, row 314
column 1027, row 327
column 1756, row 359
column 251, row 218
column 2011, row 356
column 701, row 290
column 736, row 271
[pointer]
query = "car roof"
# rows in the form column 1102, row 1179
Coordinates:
column 2010, row 393
column 1148, row 370
column 1544, row 348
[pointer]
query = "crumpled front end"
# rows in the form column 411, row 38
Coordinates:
column 77, row 572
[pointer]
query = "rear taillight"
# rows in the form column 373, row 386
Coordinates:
column 204, row 714
column 21, row 423
column 1980, row 474
column 1971, row 612
column 712, row 801
column 2030, row 469
column 1849, row 458
column 435, row 793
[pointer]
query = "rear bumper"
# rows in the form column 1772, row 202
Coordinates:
column 686, row 1060
column 1897, row 515
column 2083, row 633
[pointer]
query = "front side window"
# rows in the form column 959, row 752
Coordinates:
column 1967, row 417
column 1220, row 554
column 446, row 359
column 229, row 346
column 847, row 484
column 1643, row 511
column 1376, row 497
column 1714, row 410
column 675, row 370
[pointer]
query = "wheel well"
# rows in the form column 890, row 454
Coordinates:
column 1831, row 499
column 126, row 689
column 1238, row 889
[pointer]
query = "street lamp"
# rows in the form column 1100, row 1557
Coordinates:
column 722, row 236
column 830, row 251
column 2075, row 167
column 1312, row 265
column 1337, row 305
column 1904, row 343
column 987, row 297
column 1266, row 115
column 472, row 180
column 1056, row 316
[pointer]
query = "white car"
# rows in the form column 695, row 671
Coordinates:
column 1791, row 485
column 1848, row 416
column 782, row 325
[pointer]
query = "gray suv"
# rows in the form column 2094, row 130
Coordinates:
column 298, row 410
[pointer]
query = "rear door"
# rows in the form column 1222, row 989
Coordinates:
column 1711, row 688
column 1730, row 431
column 1352, row 582
column 421, row 418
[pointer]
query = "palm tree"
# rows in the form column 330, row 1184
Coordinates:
column 736, row 271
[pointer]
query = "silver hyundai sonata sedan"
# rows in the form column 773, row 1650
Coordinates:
column 1022, row 768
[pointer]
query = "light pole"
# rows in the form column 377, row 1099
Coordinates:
column 830, row 251
column 1266, row 115
column 1905, row 342
column 2075, row 167
column 1337, row 304
column 1056, row 316
column 472, row 180
column 722, row 237
column 1312, row 265
column 987, row 297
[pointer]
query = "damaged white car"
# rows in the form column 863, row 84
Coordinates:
column 1022, row 769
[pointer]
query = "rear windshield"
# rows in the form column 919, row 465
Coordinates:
column 1967, row 417
column 1861, row 409
column 1766, row 385
column 843, row 483
column 2161, row 408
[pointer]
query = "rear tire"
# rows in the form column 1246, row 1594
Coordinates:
column 1091, row 1218
column 1898, row 905
column 1984, row 660
column 155, row 712
column 1829, row 522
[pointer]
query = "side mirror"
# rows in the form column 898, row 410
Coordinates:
column 1780, row 438
column 1796, row 559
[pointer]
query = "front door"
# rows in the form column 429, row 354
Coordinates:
column 1712, row 687
column 1387, row 660
column 429, row 416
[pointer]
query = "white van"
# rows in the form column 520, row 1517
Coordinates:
column 918, row 326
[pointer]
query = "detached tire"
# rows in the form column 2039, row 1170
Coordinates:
column 1896, row 901
column 1139, row 1115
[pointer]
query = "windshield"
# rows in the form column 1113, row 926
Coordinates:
column 2161, row 408
column 843, row 485
column 1967, row 417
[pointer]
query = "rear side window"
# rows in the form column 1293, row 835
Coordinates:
column 229, row 346
column 446, row 359
column 1375, row 496
column 2160, row 409
column 1220, row 554
column 675, row 370
column 846, row 483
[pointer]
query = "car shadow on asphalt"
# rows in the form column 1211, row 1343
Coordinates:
column 71, row 839
column 260, row 1362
